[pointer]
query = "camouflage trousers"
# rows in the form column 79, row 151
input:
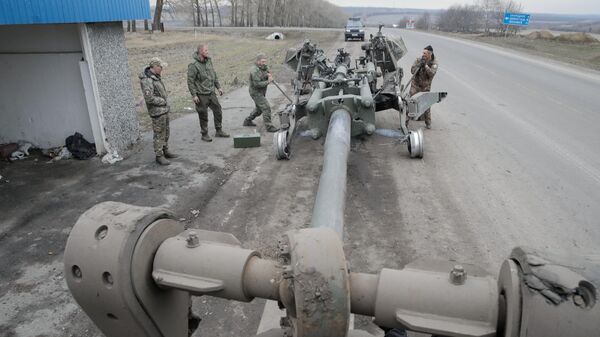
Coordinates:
column 160, row 127
column 212, row 102
column 262, row 107
column 427, row 115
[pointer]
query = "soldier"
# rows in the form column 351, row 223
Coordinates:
column 423, row 70
column 155, row 96
column 260, row 77
column 203, row 84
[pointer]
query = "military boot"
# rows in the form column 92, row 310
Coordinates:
column 169, row 154
column 248, row 122
column 206, row 137
column 272, row 128
column 221, row 133
column 162, row 161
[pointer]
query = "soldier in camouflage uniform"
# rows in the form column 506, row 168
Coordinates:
column 260, row 77
column 203, row 85
column 155, row 96
column 424, row 70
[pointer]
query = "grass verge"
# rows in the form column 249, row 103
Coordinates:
column 233, row 54
column 585, row 55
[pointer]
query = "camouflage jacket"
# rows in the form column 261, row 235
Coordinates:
column 155, row 93
column 201, row 77
column 259, row 80
column 424, row 76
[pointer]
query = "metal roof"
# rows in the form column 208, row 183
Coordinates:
column 71, row 11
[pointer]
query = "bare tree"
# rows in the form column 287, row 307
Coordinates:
column 461, row 18
column 218, row 13
column 212, row 12
column 490, row 10
column 157, row 14
column 424, row 22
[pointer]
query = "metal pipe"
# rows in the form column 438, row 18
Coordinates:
column 330, row 201
column 262, row 278
column 363, row 293
column 282, row 91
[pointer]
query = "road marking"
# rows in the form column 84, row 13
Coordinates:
column 534, row 132
column 270, row 317
column 247, row 184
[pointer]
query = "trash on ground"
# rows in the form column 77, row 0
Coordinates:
column 6, row 150
column 25, row 147
column 79, row 147
column 62, row 154
column 17, row 155
column 111, row 158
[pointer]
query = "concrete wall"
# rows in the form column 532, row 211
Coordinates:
column 112, row 76
column 41, row 94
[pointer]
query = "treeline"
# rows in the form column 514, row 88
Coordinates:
column 254, row 13
column 482, row 16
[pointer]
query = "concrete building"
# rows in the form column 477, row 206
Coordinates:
column 64, row 69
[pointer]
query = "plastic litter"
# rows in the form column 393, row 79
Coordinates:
column 111, row 158
column 79, row 147
column 63, row 154
column 17, row 155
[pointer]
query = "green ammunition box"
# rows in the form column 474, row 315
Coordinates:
column 243, row 141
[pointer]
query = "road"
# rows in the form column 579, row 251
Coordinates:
column 511, row 160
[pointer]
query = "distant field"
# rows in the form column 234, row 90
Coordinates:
column 585, row 55
column 233, row 53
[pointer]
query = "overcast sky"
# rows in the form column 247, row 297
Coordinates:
column 535, row 6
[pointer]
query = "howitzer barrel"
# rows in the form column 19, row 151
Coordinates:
column 331, row 195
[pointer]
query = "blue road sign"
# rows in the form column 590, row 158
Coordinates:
column 516, row 19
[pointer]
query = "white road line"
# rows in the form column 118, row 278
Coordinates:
column 546, row 141
column 247, row 184
column 270, row 317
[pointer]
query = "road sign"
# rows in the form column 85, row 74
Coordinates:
column 516, row 19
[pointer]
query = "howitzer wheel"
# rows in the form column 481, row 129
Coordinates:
column 415, row 144
column 280, row 144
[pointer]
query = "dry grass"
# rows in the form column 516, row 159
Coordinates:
column 233, row 54
column 582, row 54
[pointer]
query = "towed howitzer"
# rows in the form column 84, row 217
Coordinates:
column 322, row 87
column 133, row 269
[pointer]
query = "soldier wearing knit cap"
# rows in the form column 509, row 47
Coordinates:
column 260, row 78
column 423, row 69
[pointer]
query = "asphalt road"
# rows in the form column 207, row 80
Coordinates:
column 517, row 143
column 512, row 159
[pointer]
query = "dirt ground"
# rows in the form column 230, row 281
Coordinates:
column 233, row 54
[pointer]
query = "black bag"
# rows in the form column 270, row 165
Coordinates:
column 79, row 147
